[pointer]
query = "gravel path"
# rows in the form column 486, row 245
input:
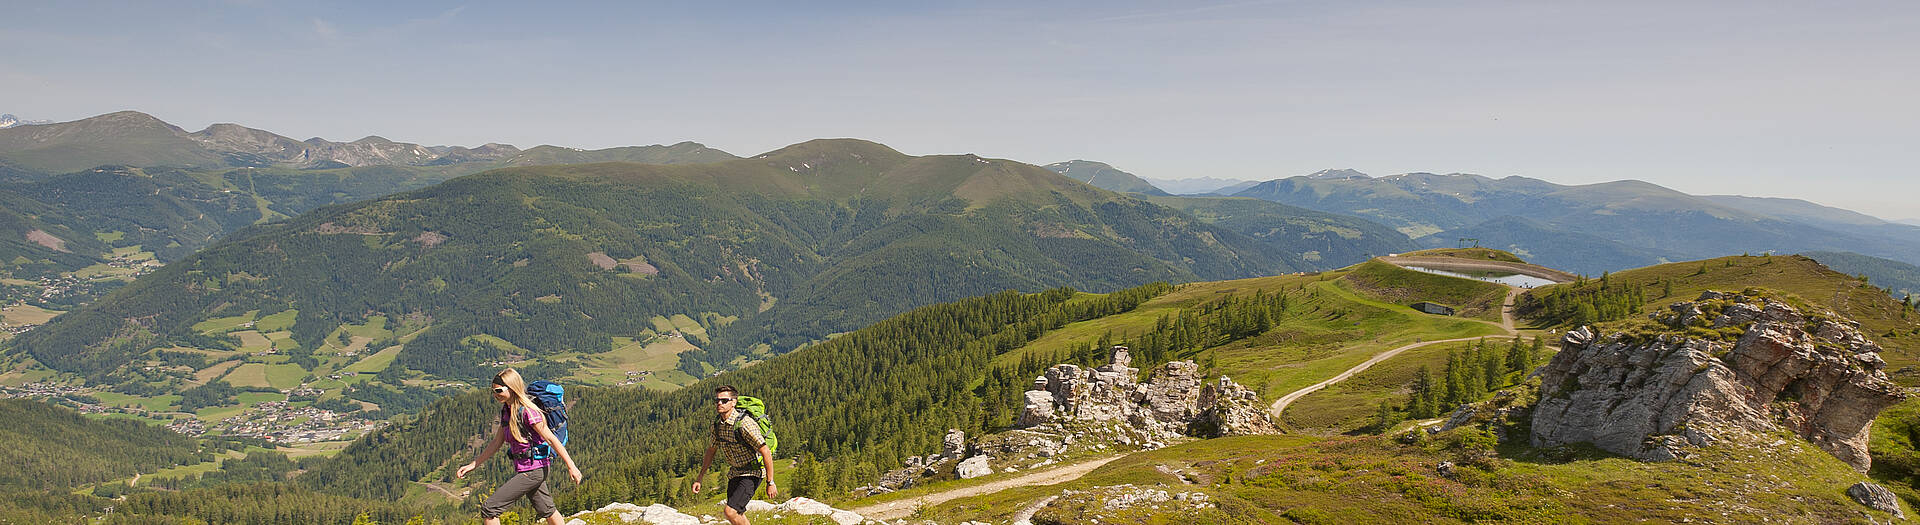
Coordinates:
column 903, row 508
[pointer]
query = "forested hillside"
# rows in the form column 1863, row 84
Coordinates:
column 52, row 447
column 764, row 253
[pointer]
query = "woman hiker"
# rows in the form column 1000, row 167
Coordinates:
column 523, row 427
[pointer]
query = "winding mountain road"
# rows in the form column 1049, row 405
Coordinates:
column 1506, row 323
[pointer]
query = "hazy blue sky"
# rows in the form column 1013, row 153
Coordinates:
column 1759, row 98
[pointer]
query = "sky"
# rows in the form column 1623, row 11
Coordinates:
column 1784, row 99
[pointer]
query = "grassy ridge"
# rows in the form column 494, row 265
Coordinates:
column 1478, row 254
column 1388, row 283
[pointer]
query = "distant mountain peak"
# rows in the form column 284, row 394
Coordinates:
column 1338, row 174
column 7, row 120
column 1104, row 176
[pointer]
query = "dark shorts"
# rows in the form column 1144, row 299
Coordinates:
column 740, row 491
column 532, row 484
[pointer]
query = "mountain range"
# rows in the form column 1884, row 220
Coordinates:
column 137, row 139
column 1590, row 228
column 78, row 191
column 767, row 253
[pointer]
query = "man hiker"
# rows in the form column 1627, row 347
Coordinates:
column 737, row 437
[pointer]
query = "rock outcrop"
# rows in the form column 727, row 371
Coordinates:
column 1073, row 410
column 1171, row 403
column 1734, row 366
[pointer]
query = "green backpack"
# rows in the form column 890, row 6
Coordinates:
column 757, row 409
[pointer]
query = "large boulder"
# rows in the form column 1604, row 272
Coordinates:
column 810, row 507
column 1039, row 408
column 1650, row 398
column 954, row 444
column 974, row 467
column 1876, row 497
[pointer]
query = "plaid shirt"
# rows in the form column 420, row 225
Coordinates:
column 738, row 440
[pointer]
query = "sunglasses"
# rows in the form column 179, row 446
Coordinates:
column 723, row 400
column 499, row 390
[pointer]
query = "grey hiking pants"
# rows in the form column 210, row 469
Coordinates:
column 532, row 484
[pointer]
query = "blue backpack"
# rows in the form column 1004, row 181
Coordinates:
column 551, row 399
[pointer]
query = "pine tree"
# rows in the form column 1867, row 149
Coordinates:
column 1667, row 289
column 1493, row 364
column 1422, row 401
column 1456, row 388
column 1385, row 418
column 806, row 478
column 1533, row 353
column 1516, row 357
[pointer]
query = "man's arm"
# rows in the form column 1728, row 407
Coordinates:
column 705, row 461
column 766, row 462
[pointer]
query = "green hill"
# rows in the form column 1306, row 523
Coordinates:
column 53, row 447
column 126, row 138
column 1393, row 284
column 1104, row 176
column 1901, row 279
column 551, row 263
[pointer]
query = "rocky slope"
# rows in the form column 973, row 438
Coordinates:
column 1748, row 366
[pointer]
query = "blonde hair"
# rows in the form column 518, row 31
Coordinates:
column 517, row 401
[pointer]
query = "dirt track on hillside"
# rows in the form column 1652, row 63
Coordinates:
column 903, row 508
column 1455, row 264
column 1506, row 322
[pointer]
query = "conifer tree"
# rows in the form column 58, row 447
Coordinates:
column 1422, row 401
column 1456, row 388
column 1493, row 365
column 1517, row 357
column 1385, row 418
column 806, row 478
